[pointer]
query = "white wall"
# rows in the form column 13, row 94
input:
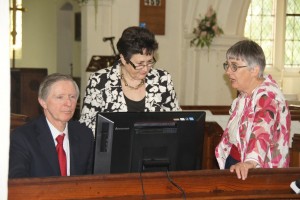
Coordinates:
column 116, row 15
column 5, row 96
column 204, row 79
column 192, row 69
column 39, row 35
column 197, row 73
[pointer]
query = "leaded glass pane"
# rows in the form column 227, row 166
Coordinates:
column 267, row 46
column 267, row 27
column 293, row 6
column 292, row 35
column 297, row 53
column 288, row 52
column 289, row 26
column 259, row 26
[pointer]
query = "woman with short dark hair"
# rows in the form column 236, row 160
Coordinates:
column 258, row 130
column 132, row 83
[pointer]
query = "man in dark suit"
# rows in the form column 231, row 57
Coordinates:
column 34, row 147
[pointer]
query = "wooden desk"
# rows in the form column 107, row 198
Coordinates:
column 205, row 184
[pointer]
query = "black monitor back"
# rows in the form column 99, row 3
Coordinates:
column 148, row 141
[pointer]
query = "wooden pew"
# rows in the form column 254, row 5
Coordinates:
column 17, row 120
column 295, row 112
column 295, row 151
column 212, row 136
column 201, row 184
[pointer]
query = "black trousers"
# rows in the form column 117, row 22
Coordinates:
column 230, row 161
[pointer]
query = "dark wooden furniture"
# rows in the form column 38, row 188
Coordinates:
column 17, row 120
column 295, row 112
column 202, row 184
column 25, row 83
column 213, row 132
column 212, row 136
column 295, row 151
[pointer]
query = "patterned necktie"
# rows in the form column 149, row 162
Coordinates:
column 61, row 154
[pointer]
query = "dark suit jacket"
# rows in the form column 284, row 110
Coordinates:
column 33, row 153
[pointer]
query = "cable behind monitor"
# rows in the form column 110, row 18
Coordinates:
column 176, row 185
column 142, row 184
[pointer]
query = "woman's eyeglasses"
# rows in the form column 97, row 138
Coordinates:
column 232, row 66
column 141, row 66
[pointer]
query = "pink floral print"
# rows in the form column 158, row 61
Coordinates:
column 263, row 130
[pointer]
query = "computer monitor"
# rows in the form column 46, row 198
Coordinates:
column 128, row 142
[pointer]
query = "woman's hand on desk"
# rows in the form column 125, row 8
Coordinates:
column 242, row 168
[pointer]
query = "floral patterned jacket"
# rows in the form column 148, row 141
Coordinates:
column 104, row 94
column 263, row 129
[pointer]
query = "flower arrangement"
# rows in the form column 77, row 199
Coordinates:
column 206, row 29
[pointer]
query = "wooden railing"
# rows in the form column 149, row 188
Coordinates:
column 202, row 184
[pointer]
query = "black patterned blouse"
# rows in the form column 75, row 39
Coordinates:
column 104, row 94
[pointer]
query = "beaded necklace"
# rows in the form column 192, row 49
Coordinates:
column 132, row 87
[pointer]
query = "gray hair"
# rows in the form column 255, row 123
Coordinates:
column 249, row 52
column 50, row 80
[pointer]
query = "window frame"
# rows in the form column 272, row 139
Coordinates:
column 279, row 43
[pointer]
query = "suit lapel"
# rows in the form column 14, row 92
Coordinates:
column 47, row 145
column 74, row 147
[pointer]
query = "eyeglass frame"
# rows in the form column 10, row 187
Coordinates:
column 226, row 66
column 141, row 66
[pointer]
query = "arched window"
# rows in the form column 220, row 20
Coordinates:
column 275, row 25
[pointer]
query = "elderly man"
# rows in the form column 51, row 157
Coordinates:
column 53, row 144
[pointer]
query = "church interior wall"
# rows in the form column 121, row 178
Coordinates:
column 192, row 69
